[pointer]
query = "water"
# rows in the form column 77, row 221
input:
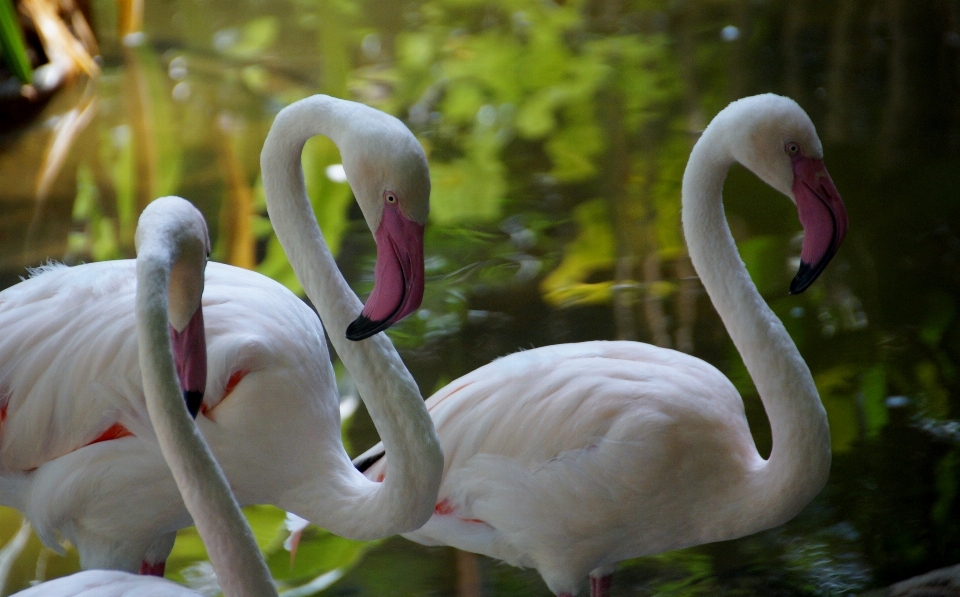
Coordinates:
column 557, row 134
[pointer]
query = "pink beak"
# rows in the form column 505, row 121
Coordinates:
column 190, row 358
column 397, row 277
column 823, row 216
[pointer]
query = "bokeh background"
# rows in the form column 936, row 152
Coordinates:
column 557, row 132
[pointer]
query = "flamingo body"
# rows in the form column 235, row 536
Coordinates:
column 77, row 452
column 172, row 250
column 70, row 372
column 555, row 457
column 572, row 458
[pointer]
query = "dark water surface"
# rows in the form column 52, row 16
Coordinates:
column 557, row 133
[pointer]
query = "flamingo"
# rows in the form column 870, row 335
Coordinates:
column 571, row 458
column 77, row 451
column 172, row 248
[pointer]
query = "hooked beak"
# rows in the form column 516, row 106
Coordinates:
column 823, row 216
column 190, row 358
column 397, row 277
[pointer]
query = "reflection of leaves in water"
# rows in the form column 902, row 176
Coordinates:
column 795, row 560
column 252, row 39
column 470, row 188
column 947, row 485
column 153, row 134
column 97, row 237
column 941, row 311
column 138, row 155
column 590, row 251
column 837, row 390
column 873, row 389
column 764, row 256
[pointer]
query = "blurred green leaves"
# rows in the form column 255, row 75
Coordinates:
column 318, row 552
column 591, row 251
column 471, row 188
column 12, row 47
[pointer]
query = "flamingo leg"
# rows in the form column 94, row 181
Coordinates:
column 601, row 580
column 600, row 586
column 156, row 569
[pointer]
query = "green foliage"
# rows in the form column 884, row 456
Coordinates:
column 154, row 123
column 318, row 552
column 764, row 258
column 666, row 195
column 947, row 484
column 117, row 149
column 12, row 47
column 471, row 188
column 590, row 251
column 835, row 386
column 98, row 236
column 941, row 311
column 256, row 36
column 873, row 389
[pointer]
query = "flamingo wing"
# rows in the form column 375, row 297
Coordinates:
column 68, row 362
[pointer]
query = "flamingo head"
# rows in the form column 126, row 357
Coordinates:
column 191, row 251
column 390, row 179
column 773, row 137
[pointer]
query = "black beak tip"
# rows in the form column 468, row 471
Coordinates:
column 363, row 328
column 804, row 278
column 808, row 274
column 193, row 400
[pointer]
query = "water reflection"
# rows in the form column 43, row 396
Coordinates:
column 557, row 134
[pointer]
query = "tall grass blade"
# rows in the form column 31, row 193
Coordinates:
column 11, row 43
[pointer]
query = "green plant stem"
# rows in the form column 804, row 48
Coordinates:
column 12, row 44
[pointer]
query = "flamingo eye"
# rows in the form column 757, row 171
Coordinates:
column 792, row 148
column 390, row 197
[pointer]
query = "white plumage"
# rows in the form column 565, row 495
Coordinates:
column 108, row 583
column 172, row 248
column 571, row 458
column 69, row 373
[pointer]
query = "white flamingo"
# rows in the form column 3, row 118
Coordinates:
column 172, row 248
column 77, row 452
column 571, row 458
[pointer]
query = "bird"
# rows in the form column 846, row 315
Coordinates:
column 172, row 248
column 571, row 458
column 77, row 451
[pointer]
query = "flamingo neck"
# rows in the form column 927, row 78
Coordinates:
column 800, row 459
column 233, row 552
column 337, row 497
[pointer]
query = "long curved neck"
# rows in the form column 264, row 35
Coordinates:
column 240, row 568
column 800, row 459
column 342, row 500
